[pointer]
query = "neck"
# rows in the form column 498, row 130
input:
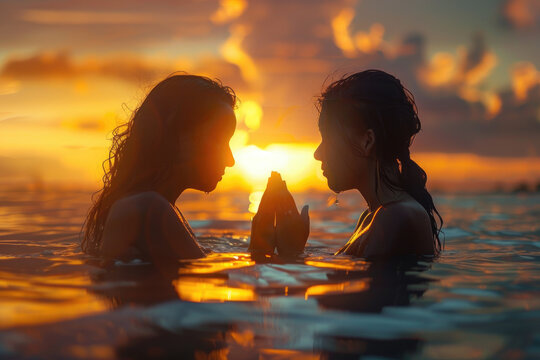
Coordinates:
column 170, row 190
column 377, row 192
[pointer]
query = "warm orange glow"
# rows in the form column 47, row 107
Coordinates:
column 522, row 13
column 492, row 103
column 369, row 42
column 481, row 70
column 27, row 305
column 440, row 70
column 9, row 87
column 464, row 170
column 244, row 338
column 198, row 289
column 295, row 162
column 341, row 263
column 217, row 262
column 250, row 113
column 233, row 52
column 51, row 17
column 228, row 10
column 344, row 287
column 524, row 77
column 278, row 354
column 447, row 71
column 342, row 36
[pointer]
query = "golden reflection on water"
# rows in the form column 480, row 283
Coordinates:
column 286, row 354
column 343, row 287
column 198, row 289
column 45, row 298
column 216, row 262
column 338, row 263
column 204, row 289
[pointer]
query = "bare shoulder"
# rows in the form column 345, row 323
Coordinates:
column 126, row 219
column 401, row 227
column 403, row 213
column 134, row 205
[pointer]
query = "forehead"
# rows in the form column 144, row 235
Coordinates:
column 221, row 117
column 328, row 120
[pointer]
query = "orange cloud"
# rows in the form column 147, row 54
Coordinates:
column 125, row 67
column 370, row 41
column 524, row 77
column 342, row 36
column 481, row 70
column 67, row 17
column 464, row 73
column 522, row 13
column 49, row 65
column 439, row 71
column 228, row 10
column 366, row 42
column 233, row 52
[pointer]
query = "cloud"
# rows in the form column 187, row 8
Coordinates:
column 525, row 77
column 278, row 54
column 234, row 53
column 43, row 66
column 340, row 28
column 67, row 17
column 50, row 65
column 463, row 74
column 521, row 14
column 228, row 10
column 104, row 25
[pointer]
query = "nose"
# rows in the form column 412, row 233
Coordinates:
column 318, row 153
column 229, row 161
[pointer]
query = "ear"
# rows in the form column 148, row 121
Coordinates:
column 368, row 142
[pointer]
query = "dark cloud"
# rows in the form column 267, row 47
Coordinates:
column 63, row 65
column 521, row 14
column 132, row 68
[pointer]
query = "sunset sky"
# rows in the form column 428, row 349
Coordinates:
column 71, row 70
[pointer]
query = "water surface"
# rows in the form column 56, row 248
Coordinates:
column 479, row 300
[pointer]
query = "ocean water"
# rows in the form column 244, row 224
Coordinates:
column 479, row 300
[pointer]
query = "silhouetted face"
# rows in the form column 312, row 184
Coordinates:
column 211, row 151
column 342, row 165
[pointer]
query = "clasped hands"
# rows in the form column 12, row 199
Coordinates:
column 278, row 224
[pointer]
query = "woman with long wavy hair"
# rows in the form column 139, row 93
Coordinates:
column 367, row 123
column 177, row 139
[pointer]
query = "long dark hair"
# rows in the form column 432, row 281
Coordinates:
column 143, row 150
column 378, row 101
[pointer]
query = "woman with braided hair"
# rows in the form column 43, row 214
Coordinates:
column 367, row 123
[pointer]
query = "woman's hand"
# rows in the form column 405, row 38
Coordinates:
column 292, row 228
column 263, row 235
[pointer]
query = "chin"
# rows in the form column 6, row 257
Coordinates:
column 208, row 187
column 337, row 186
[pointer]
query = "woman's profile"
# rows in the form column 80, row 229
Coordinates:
column 177, row 139
column 367, row 122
